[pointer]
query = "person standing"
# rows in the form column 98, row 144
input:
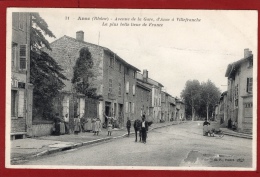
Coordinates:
column 109, row 129
column 94, row 125
column 137, row 127
column 144, row 129
column 97, row 126
column 128, row 126
column 57, row 124
column 66, row 122
column 77, row 125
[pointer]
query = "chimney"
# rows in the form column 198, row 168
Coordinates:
column 80, row 35
column 145, row 75
column 246, row 53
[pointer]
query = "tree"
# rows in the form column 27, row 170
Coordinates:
column 83, row 74
column 45, row 73
column 210, row 95
column 191, row 97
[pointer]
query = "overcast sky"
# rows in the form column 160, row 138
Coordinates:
column 174, row 53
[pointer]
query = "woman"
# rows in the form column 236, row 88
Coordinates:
column 76, row 125
column 94, row 126
column 97, row 126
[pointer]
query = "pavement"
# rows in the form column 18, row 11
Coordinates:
column 29, row 148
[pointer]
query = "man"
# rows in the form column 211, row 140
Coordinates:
column 137, row 127
column 144, row 129
column 128, row 126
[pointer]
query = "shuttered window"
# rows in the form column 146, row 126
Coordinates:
column 119, row 89
column 127, row 87
column 21, row 103
column 133, row 108
column 126, row 107
column 110, row 86
column 133, row 89
column 249, row 88
column 22, row 57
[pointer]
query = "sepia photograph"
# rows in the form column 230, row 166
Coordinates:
column 154, row 89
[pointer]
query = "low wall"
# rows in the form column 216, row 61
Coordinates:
column 42, row 129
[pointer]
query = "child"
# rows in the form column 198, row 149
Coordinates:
column 109, row 129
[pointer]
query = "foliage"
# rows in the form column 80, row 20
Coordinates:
column 200, row 98
column 45, row 73
column 83, row 74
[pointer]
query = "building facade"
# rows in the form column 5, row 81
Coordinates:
column 21, row 89
column 240, row 92
column 114, row 79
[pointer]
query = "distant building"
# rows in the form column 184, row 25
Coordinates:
column 155, row 96
column 21, row 89
column 240, row 92
column 180, row 110
column 114, row 78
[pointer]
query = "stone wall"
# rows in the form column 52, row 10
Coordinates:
column 42, row 129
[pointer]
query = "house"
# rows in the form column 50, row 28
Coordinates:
column 222, row 111
column 142, row 99
column 172, row 108
column 21, row 89
column 114, row 78
column 155, row 96
column 180, row 110
column 240, row 92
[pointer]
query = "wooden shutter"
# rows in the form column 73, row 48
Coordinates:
column 127, row 87
column 21, row 103
column 126, row 107
column 133, row 89
column 247, row 84
column 133, row 108
column 23, row 56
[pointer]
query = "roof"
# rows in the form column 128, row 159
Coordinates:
column 233, row 67
column 143, row 85
column 150, row 81
column 104, row 48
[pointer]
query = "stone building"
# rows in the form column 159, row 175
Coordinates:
column 180, row 110
column 21, row 89
column 240, row 92
column 142, row 99
column 165, row 106
column 172, row 108
column 114, row 78
column 155, row 96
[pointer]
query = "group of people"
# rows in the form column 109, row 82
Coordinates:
column 141, row 127
column 61, row 125
column 83, row 125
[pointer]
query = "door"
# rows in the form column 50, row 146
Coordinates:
column 29, row 111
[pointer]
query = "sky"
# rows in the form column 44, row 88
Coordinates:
column 172, row 53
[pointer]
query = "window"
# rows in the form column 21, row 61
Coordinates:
column 119, row 68
column 22, row 57
column 250, row 63
column 119, row 89
column 133, row 108
column 126, row 107
column 133, row 74
column 21, row 19
column 142, row 95
column 236, row 95
column 14, row 54
column 14, row 103
column 110, row 86
column 133, row 89
column 111, row 63
column 126, row 71
column 130, row 107
column 127, row 87
column 249, row 88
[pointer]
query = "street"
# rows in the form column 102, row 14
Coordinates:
column 175, row 146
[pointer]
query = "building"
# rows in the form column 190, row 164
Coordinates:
column 142, row 99
column 222, row 111
column 114, row 78
column 180, row 110
column 155, row 96
column 240, row 92
column 172, row 108
column 21, row 89
column 166, row 113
